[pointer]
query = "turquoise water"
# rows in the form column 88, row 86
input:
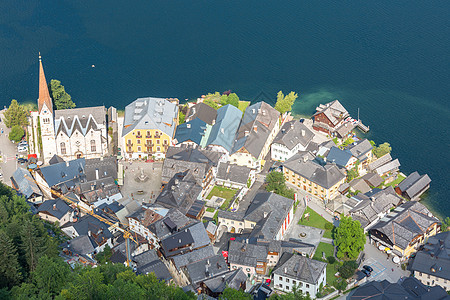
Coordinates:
column 389, row 59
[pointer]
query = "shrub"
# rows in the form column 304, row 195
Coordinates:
column 348, row 269
column 331, row 259
column 329, row 226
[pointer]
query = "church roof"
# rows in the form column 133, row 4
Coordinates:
column 81, row 119
column 44, row 95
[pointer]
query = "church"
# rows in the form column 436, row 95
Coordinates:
column 70, row 133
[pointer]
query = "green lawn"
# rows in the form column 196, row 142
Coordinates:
column 331, row 270
column 210, row 209
column 222, row 192
column 243, row 105
column 315, row 220
column 399, row 179
column 324, row 247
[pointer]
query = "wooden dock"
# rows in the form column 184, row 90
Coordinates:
column 362, row 127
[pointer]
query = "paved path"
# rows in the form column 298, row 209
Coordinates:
column 8, row 152
column 326, row 240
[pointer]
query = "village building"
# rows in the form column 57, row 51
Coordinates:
column 304, row 273
column 56, row 210
column 204, row 269
column 342, row 158
column 214, row 287
column 329, row 117
column 431, row 265
column 405, row 229
column 362, row 150
column 24, row 184
column 259, row 126
column 313, row 176
column 293, row 136
column 252, row 259
column 193, row 133
column 202, row 112
column 148, row 262
column 372, row 179
column 70, row 133
column 413, row 186
column 149, row 127
column 223, row 132
column 235, row 176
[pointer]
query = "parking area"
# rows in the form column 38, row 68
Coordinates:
column 378, row 267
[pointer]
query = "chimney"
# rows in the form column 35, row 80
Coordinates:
column 89, row 233
column 67, row 163
column 246, row 133
column 207, row 262
column 292, row 125
column 179, row 241
column 54, row 206
column 96, row 174
column 285, row 270
column 255, row 128
column 265, row 214
column 222, row 130
column 303, row 132
column 223, row 278
column 188, row 125
column 305, row 159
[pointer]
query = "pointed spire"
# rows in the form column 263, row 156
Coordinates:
column 44, row 95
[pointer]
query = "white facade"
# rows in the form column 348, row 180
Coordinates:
column 140, row 229
column 286, row 283
column 47, row 133
column 282, row 153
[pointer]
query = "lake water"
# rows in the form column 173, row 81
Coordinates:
column 388, row 58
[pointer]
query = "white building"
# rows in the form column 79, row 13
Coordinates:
column 293, row 137
column 305, row 273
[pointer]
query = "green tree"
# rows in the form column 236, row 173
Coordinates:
column 10, row 274
column 445, row 224
column 34, row 242
column 340, row 285
column 296, row 294
column 277, row 183
column 181, row 118
column 61, row 98
column 233, row 99
column 347, row 269
column 51, row 275
column 350, row 238
column 105, row 255
column 232, row 294
column 382, row 150
column 16, row 115
column 284, row 103
column 16, row 133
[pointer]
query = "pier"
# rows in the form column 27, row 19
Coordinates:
column 362, row 127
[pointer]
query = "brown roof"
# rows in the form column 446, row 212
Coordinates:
column 44, row 95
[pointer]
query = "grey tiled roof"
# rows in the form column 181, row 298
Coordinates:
column 389, row 167
column 233, row 173
column 25, row 183
column 293, row 133
column 333, row 110
column 325, row 176
column 55, row 207
column 262, row 117
column 380, row 161
column 82, row 119
column 373, row 179
column 161, row 230
column 232, row 279
column 191, row 257
column 82, row 245
column 244, row 254
column 360, row 148
column 301, row 268
column 150, row 113
column 181, row 192
column 72, row 171
column 338, row 156
column 203, row 112
column 206, row 268
column 359, row 184
column 405, row 223
column 104, row 167
column 434, row 258
column 148, row 262
column 414, row 184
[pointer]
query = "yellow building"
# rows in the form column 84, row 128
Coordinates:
column 321, row 181
column 149, row 127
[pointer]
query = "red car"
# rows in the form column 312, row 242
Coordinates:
column 268, row 281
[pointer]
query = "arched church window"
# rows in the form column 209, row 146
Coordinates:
column 93, row 146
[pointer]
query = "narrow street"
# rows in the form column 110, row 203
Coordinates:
column 8, row 152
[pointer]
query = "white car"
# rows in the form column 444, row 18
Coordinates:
column 22, row 148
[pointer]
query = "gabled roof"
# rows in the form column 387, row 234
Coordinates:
column 233, row 279
column 414, row 183
column 55, row 207
column 301, row 268
column 82, row 245
column 150, row 113
column 193, row 256
column 25, row 183
column 161, row 230
column 149, row 262
column 233, row 173
column 256, row 125
column 406, row 222
column 88, row 224
column 202, row 112
column 104, row 167
column 80, row 119
column 293, row 133
column 244, row 254
column 58, row 173
column 224, row 130
column 191, row 131
column 206, row 268
column 338, row 156
column 326, row 176
column 389, row 167
column 55, row 159
column 358, row 184
column 181, row 192
column 380, row 161
column 360, row 148
column 334, row 111
column 372, row 179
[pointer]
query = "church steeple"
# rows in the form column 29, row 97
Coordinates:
column 44, row 95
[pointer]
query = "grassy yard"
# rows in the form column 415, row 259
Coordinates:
column 324, row 247
column 331, row 270
column 315, row 220
column 222, row 192
column 210, row 209
column 399, row 179
column 243, row 105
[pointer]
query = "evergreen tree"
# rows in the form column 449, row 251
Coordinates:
column 61, row 98
column 15, row 115
column 350, row 238
column 51, row 275
column 232, row 294
column 33, row 243
column 284, row 103
column 9, row 265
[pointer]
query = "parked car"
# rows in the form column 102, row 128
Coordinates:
column 268, row 281
column 367, row 273
column 368, row 268
column 23, row 143
column 22, row 160
column 22, row 148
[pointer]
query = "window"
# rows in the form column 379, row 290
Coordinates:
column 307, row 286
column 165, row 142
column 138, row 141
column 63, row 148
column 158, row 149
column 281, row 286
column 248, row 269
column 148, row 133
column 287, row 287
column 129, row 142
column 139, row 133
column 281, row 278
column 294, row 282
column 420, row 274
column 93, row 147
column 287, row 279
